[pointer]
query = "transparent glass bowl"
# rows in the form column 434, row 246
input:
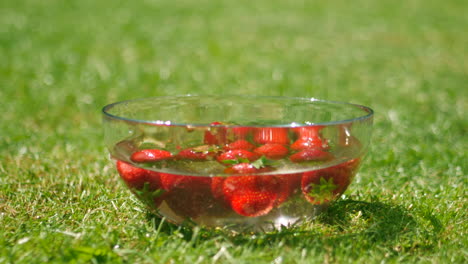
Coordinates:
column 237, row 162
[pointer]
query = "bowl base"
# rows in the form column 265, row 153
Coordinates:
column 275, row 220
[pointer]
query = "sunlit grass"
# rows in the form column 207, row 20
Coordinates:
column 61, row 61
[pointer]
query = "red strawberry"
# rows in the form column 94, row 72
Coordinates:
column 239, row 132
column 237, row 154
column 272, row 151
column 252, row 203
column 217, row 190
column 301, row 144
column 311, row 154
column 291, row 183
column 187, row 196
column 308, row 131
column 239, row 144
column 351, row 165
column 308, row 137
column 215, row 135
column 136, row 178
column 204, row 152
column 246, row 168
column 252, row 195
column 173, row 181
column 150, row 155
column 324, row 185
column 266, row 135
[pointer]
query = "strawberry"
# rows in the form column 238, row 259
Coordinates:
column 351, row 166
column 204, row 152
column 237, row 154
column 272, row 151
column 188, row 196
column 136, row 177
column 310, row 154
column 252, row 195
column 150, row 155
column 302, row 144
column 324, row 185
column 239, row 144
column 291, row 183
column 266, row 135
column 142, row 182
column 252, row 203
column 173, row 181
column 217, row 184
column 308, row 137
column 217, row 190
column 308, row 131
column 192, row 154
column 215, row 135
column 259, row 166
column 239, row 132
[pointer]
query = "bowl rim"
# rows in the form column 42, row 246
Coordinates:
column 369, row 112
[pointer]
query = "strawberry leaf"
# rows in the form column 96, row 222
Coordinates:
column 230, row 161
column 324, row 190
column 243, row 160
column 205, row 149
column 213, row 148
column 263, row 162
column 235, row 161
column 147, row 194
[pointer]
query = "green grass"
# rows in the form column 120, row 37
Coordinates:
column 61, row 61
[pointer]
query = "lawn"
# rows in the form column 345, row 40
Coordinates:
column 61, row 61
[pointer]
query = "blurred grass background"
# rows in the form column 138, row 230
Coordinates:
column 61, row 61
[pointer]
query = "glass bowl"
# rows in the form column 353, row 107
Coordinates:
column 236, row 162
